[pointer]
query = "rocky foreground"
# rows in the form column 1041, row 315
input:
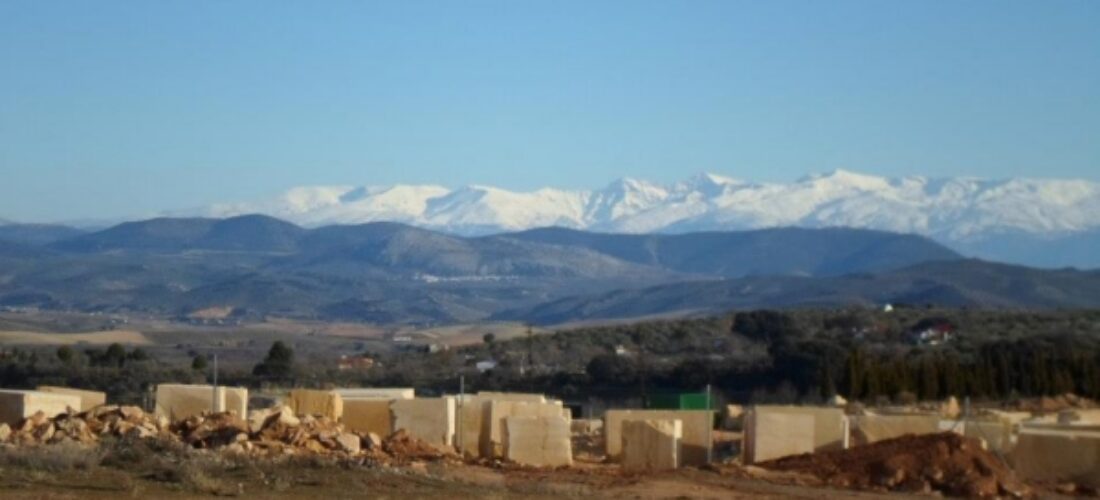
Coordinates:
column 268, row 432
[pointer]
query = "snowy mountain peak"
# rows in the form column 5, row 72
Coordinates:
column 951, row 209
column 846, row 179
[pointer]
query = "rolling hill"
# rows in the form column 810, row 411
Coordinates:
column 783, row 251
column 956, row 283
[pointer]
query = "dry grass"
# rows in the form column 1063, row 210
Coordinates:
column 61, row 457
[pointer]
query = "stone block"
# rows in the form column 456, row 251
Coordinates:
column 651, row 444
column 316, row 403
column 831, row 425
column 1054, row 454
column 376, row 393
column 88, row 399
column 16, row 405
column 492, row 444
column 697, row 427
column 769, row 435
column 873, row 428
column 431, row 420
column 368, row 415
column 179, row 401
column 538, row 441
column 512, row 396
column 236, row 401
column 473, row 424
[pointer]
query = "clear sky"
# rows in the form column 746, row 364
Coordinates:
column 122, row 108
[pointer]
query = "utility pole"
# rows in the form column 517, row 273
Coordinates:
column 710, row 425
column 530, row 346
column 214, row 406
column 461, row 404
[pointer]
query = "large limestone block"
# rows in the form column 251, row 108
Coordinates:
column 88, row 399
column 16, row 405
column 317, row 403
column 770, row 435
column 499, row 410
column 651, row 444
column 473, row 423
column 831, row 425
column 1052, row 454
column 874, row 428
column 179, row 401
column 236, row 401
column 368, row 415
column 431, row 420
column 538, row 441
column 1014, row 418
column 512, row 396
column 376, row 393
column 697, row 428
column 474, row 429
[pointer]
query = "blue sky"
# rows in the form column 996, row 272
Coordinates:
column 120, row 108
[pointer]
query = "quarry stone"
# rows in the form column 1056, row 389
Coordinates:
column 872, row 428
column 696, row 429
column 179, row 401
column 316, row 403
column 88, row 399
column 349, row 442
column 376, row 393
column 512, row 396
column 473, row 417
column 538, row 441
column 831, row 425
column 492, row 445
column 1059, row 454
column 16, row 405
column 236, row 400
column 651, row 444
column 774, row 434
column 431, row 420
column 368, row 415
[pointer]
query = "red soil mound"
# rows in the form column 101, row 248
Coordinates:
column 945, row 463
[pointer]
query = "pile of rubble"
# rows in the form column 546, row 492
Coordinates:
column 268, row 432
column 84, row 427
column 945, row 463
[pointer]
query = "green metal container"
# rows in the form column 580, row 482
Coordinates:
column 679, row 401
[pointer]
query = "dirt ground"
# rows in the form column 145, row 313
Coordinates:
column 419, row 480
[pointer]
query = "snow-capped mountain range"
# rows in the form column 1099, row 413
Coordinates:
column 948, row 209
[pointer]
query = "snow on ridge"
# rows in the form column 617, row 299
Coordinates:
column 957, row 209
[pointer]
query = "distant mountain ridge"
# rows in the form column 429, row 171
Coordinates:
column 390, row 272
column 955, row 283
column 395, row 246
column 964, row 213
column 778, row 251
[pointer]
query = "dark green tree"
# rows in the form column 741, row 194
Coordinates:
column 278, row 364
column 66, row 354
